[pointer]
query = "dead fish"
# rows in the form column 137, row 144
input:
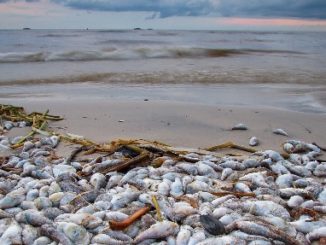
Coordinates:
column 54, row 140
column 105, row 239
column 176, row 188
column 56, row 235
column 27, row 146
column 13, row 198
column 121, row 199
column 268, row 231
column 247, row 237
column 205, row 208
column 198, row 236
column 253, row 141
column 219, row 201
column 75, row 233
column 188, row 168
column 302, row 239
column 285, row 180
column 306, row 226
column 241, row 187
column 182, row 210
column 235, row 165
column 29, row 234
column 226, row 173
column 224, row 240
column 295, row 201
column 212, row 225
column 289, row 148
column 116, row 216
column 266, row 208
column 164, row 187
column 184, row 235
column 295, row 169
column 280, row 131
column 166, row 207
column 316, row 234
column 84, row 219
column 32, row 217
column 206, row 170
column 289, row 192
column 4, row 214
column 98, row 181
column 320, row 170
column 113, row 181
column 159, row 230
column 12, row 235
column 256, row 178
column 197, row 186
column 119, row 235
column 240, row 126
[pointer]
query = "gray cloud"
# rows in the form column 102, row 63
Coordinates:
column 244, row 8
column 164, row 8
column 274, row 8
column 228, row 8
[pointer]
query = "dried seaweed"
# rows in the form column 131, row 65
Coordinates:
column 232, row 145
column 157, row 207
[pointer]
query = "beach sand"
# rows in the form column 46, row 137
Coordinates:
column 181, row 124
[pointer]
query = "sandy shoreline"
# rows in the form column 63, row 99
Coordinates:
column 179, row 115
column 182, row 124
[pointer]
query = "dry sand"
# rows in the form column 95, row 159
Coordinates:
column 193, row 115
column 181, row 124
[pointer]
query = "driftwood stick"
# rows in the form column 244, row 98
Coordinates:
column 237, row 194
column 115, row 225
column 140, row 158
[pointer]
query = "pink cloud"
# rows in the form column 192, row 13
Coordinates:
column 22, row 8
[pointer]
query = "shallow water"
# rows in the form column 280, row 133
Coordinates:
column 149, row 55
column 283, row 70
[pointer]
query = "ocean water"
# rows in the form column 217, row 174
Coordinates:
column 156, row 56
column 284, row 70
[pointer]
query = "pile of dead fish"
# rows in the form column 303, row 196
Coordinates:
column 190, row 199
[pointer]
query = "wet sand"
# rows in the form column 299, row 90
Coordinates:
column 181, row 124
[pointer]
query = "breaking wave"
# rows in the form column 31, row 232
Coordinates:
column 188, row 77
column 129, row 54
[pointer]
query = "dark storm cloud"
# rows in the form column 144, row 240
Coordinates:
column 164, row 8
column 274, row 8
column 232, row 8
column 229, row 8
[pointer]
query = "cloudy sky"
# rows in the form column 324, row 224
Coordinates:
column 164, row 14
